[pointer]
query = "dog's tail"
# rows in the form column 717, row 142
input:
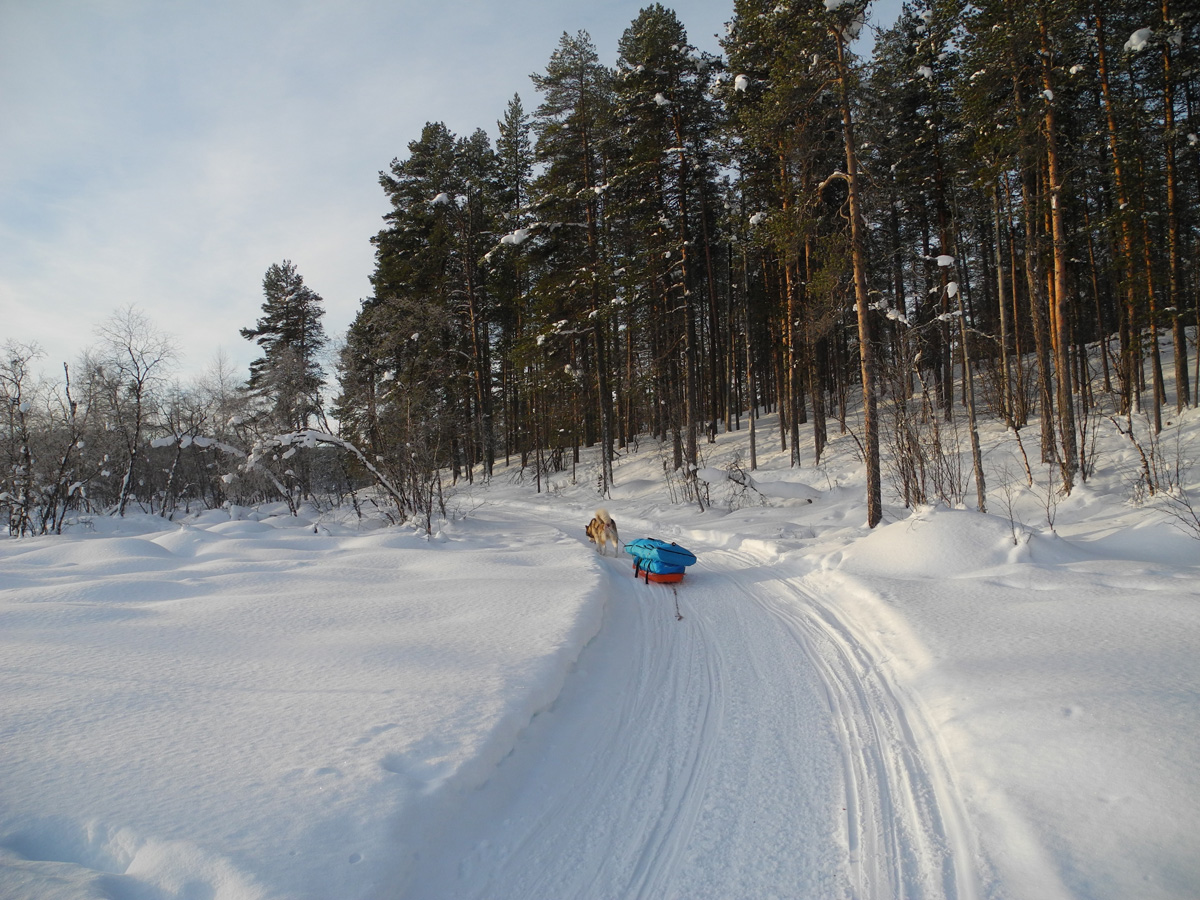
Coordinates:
column 603, row 516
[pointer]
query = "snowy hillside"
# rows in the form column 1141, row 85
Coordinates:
column 954, row 705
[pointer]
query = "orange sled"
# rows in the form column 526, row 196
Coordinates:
column 655, row 577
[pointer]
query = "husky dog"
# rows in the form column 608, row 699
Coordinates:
column 601, row 530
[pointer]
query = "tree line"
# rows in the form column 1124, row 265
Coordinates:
column 995, row 212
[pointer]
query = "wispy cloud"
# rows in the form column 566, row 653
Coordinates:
column 164, row 153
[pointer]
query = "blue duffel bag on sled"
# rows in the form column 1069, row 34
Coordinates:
column 658, row 561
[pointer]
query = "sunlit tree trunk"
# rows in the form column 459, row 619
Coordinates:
column 1174, row 278
column 1130, row 356
column 866, row 345
column 1069, row 461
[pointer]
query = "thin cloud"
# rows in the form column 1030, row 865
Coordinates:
column 165, row 154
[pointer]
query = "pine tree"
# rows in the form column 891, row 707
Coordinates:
column 477, row 216
column 662, row 190
column 408, row 342
column 846, row 20
column 788, row 125
column 288, row 377
column 509, row 264
column 514, row 158
column 572, row 125
column 417, row 369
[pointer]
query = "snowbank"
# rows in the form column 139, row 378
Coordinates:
column 1063, row 678
column 247, row 709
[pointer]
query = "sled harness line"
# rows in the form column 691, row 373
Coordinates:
column 645, row 575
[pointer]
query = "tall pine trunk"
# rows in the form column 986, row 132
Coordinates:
column 1174, row 277
column 1069, row 462
column 866, row 348
column 1130, row 355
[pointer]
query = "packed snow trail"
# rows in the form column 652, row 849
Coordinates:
column 751, row 749
column 905, row 826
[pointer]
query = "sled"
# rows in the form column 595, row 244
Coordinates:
column 654, row 550
column 657, row 561
column 655, row 577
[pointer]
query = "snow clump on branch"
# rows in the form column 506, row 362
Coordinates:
column 516, row 238
column 1138, row 40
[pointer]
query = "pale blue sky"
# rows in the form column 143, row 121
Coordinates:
column 165, row 152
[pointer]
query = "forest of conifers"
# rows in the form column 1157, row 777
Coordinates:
column 996, row 212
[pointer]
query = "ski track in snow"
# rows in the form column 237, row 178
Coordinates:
column 905, row 826
column 657, row 772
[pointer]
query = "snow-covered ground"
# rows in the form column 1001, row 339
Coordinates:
column 248, row 705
